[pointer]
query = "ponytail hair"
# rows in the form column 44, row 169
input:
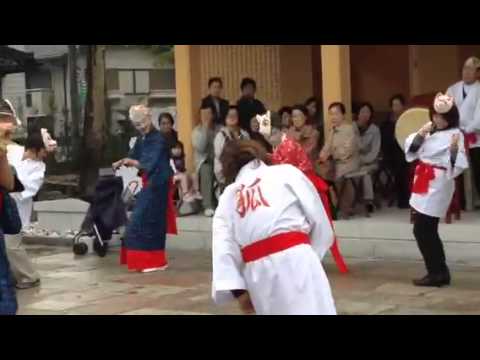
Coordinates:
column 237, row 154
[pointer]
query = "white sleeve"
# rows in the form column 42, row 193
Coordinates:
column 226, row 253
column 321, row 235
column 461, row 162
column 32, row 178
column 474, row 125
column 410, row 156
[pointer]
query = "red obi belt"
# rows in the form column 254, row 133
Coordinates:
column 424, row 174
column 273, row 245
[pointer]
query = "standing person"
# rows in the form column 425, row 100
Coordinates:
column 270, row 234
column 203, row 137
column 370, row 144
column 304, row 133
column 216, row 102
column 393, row 155
column 29, row 163
column 248, row 106
column 153, row 216
column 166, row 124
column 467, row 97
column 231, row 132
column 314, row 112
column 439, row 148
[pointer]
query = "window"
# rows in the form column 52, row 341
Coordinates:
column 126, row 82
column 134, row 82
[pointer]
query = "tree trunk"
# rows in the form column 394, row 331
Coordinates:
column 74, row 102
column 94, row 133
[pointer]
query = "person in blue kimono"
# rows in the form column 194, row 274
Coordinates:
column 144, row 245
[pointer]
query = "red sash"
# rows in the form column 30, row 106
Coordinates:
column 471, row 138
column 424, row 174
column 273, row 245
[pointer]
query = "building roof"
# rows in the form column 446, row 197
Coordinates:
column 44, row 52
column 14, row 61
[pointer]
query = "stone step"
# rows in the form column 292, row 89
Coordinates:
column 386, row 235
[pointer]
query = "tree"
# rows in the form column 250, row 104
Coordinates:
column 95, row 119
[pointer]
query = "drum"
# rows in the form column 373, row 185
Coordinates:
column 410, row 122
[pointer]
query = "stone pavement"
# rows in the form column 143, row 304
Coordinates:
column 94, row 286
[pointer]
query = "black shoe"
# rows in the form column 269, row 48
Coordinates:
column 433, row 281
column 370, row 208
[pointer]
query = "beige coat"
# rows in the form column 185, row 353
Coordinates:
column 343, row 146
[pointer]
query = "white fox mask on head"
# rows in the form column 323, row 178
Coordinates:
column 265, row 123
column 12, row 113
column 443, row 103
column 50, row 144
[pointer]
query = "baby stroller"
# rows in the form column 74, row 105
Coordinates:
column 107, row 212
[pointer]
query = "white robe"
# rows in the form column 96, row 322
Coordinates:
column 436, row 151
column 291, row 282
column 469, row 108
column 31, row 174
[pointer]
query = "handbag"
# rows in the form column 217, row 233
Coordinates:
column 10, row 220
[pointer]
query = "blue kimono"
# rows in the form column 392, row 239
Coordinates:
column 144, row 245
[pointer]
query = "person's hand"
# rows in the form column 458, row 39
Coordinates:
column 426, row 129
column 118, row 164
column 454, row 142
column 130, row 163
column 246, row 304
column 323, row 157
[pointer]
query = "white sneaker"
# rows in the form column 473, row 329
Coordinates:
column 209, row 213
column 198, row 196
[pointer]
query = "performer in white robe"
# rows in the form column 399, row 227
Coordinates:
column 439, row 147
column 270, row 233
column 466, row 94
column 29, row 164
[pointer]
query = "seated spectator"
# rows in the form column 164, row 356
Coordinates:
column 303, row 132
column 188, row 186
column 166, row 123
column 258, row 137
column 340, row 154
column 248, row 106
column 285, row 114
column 370, row 143
column 203, row 136
column 393, row 155
column 216, row 102
column 230, row 132
column 315, row 115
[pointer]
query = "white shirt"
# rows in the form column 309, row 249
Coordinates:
column 436, row 151
column 469, row 107
column 31, row 174
column 285, row 201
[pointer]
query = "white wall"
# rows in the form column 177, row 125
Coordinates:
column 132, row 57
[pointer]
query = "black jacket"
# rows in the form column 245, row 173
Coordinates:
column 247, row 109
column 218, row 117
